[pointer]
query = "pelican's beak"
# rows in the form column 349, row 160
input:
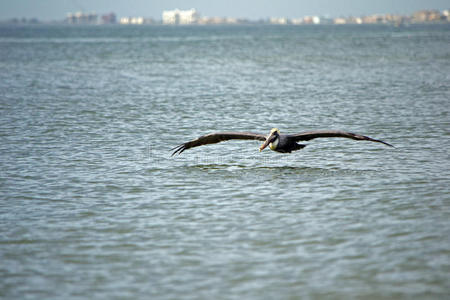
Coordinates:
column 269, row 140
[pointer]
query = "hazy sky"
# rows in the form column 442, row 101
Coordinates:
column 253, row 9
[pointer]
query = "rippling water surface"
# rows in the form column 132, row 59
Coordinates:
column 93, row 206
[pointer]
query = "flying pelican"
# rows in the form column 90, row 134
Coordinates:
column 283, row 143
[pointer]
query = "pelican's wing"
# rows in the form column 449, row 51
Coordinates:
column 309, row 135
column 218, row 137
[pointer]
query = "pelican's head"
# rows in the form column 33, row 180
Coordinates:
column 271, row 138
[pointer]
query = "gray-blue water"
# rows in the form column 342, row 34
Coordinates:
column 92, row 206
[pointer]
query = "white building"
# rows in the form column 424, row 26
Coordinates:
column 135, row 21
column 278, row 21
column 182, row 17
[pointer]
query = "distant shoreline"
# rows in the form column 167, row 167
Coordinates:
column 254, row 24
column 193, row 18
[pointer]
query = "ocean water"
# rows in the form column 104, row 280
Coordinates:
column 92, row 205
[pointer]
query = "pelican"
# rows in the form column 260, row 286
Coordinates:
column 283, row 143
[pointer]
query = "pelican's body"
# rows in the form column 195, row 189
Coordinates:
column 283, row 143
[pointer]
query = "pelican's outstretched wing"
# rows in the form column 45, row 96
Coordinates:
column 309, row 135
column 218, row 137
